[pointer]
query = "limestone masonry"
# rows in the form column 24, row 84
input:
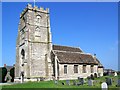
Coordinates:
column 36, row 57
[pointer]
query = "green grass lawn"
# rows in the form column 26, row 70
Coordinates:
column 51, row 84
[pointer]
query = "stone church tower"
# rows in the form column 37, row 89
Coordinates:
column 34, row 44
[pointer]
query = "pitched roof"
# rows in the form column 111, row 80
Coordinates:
column 73, row 57
column 66, row 48
column 99, row 64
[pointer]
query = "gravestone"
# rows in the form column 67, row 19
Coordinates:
column 118, row 83
column 67, row 82
column 109, row 81
column 104, row 86
column 115, row 74
column 90, row 82
column 81, row 81
column 41, row 78
column 74, row 82
column 56, row 82
column 38, row 79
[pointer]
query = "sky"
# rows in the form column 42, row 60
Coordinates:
column 92, row 26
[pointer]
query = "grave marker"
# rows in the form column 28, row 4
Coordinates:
column 90, row 82
column 115, row 74
column 67, row 82
column 104, row 86
column 118, row 83
column 109, row 81
column 56, row 82
column 81, row 81
column 74, row 82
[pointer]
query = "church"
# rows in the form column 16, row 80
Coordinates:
column 38, row 59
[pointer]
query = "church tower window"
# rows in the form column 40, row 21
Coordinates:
column 23, row 53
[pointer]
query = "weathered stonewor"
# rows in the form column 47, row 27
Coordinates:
column 33, row 44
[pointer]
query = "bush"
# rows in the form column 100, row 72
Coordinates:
column 118, row 73
column 4, row 72
column 12, row 70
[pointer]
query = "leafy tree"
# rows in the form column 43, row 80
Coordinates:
column 12, row 74
column 4, row 72
column 0, row 75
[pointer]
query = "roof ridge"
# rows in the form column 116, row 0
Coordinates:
column 66, row 46
column 66, row 51
column 74, row 52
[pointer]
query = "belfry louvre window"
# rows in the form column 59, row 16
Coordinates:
column 65, row 69
column 92, row 68
column 75, row 68
column 84, row 68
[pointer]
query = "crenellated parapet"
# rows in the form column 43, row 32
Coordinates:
column 35, row 9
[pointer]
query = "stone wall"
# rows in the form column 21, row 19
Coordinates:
column 70, row 71
column 100, row 71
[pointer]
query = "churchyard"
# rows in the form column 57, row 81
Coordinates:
column 79, row 83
